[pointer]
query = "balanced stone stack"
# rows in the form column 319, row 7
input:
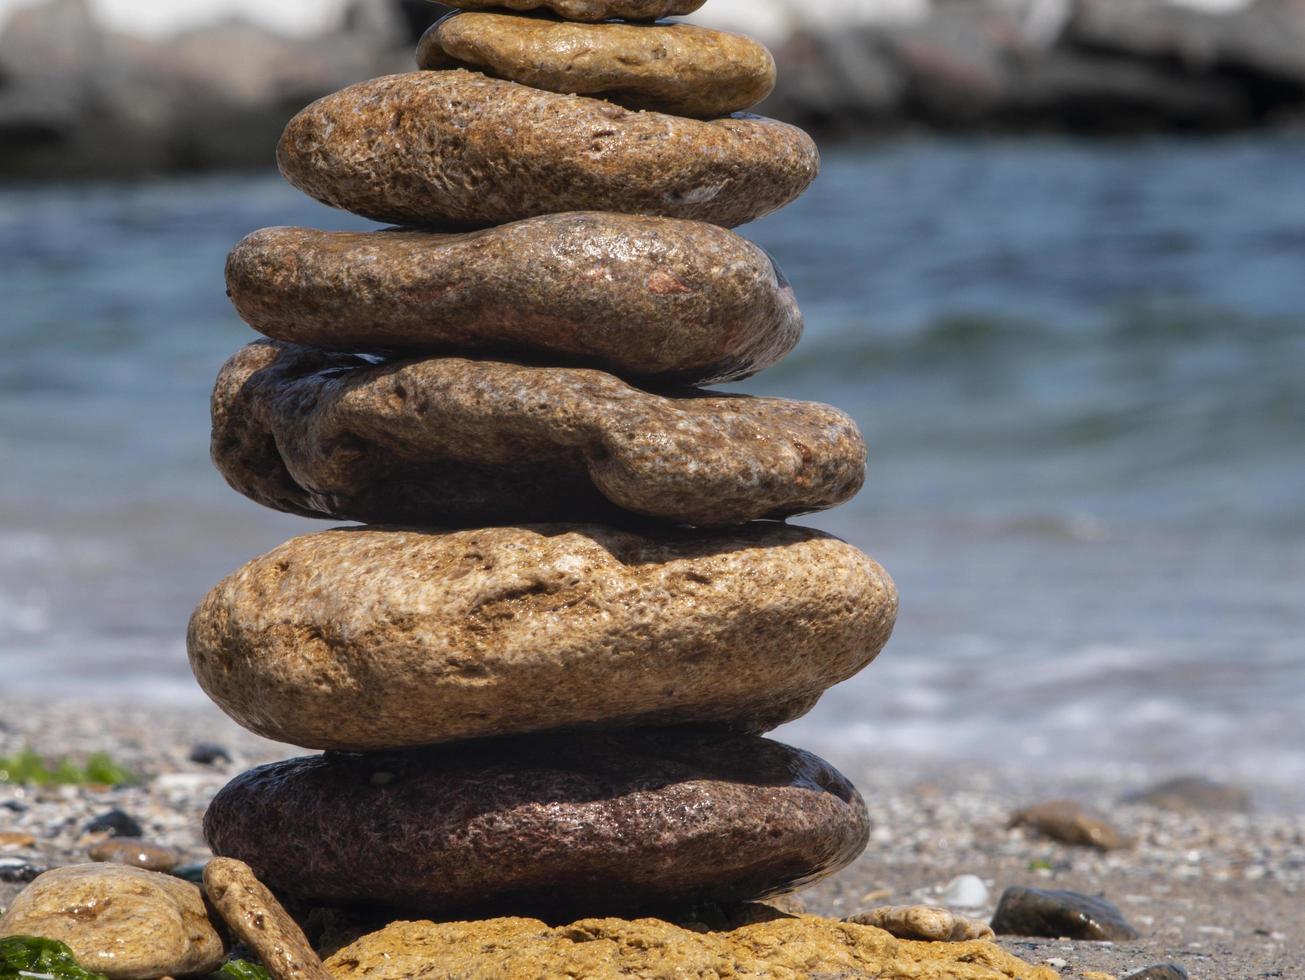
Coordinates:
column 541, row 669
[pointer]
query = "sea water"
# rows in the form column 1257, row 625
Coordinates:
column 1080, row 369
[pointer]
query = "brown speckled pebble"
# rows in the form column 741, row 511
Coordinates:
column 683, row 300
column 675, row 68
column 452, row 441
column 617, row 822
column 591, row 10
column 127, row 923
column 457, row 148
column 138, row 853
column 259, row 921
column 926, row 923
column 365, row 638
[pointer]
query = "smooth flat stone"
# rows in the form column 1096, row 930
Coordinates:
column 137, row 853
column 591, row 10
column 676, row 68
column 362, row 638
column 1070, row 822
column 619, row 949
column 459, row 149
column 613, row 821
column 453, row 441
column 124, row 922
column 1055, row 914
column 683, row 300
column 259, row 921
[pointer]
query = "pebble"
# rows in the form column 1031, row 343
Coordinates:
column 965, row 892
column 741, row 629
column 675, row 68
column 1071, row 823
column 1056, row 914
column 15, row 839
column 605, row 822
column 137, row 853
column 19, row 870
column 1194, row 794
column 115, row 823
column 452, row 441
column 257, row 919
column 449, row 149
column 1162, row 971
column 923, row 922
column 208, row 753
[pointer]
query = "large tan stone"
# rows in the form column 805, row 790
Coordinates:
column 675, row 68
column 459, row 149
column 591, row 10
column 454, row 441
column 681, row 300
column 124, row 922
column 553, row 825
column 783, row 948
column 367, row 638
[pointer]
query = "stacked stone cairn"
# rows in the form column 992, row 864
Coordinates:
column 541, row 667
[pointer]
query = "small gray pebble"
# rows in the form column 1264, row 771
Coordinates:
column 115, row 823
column 208, row 753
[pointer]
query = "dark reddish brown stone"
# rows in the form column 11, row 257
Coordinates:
column 591, row 10
column 681, row 300
column 611, row 823
column 450, row 441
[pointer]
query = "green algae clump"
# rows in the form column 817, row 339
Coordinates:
column 30, row 956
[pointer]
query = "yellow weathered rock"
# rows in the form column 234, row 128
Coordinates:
column 782, row 948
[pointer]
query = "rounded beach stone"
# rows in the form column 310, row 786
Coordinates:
column 258, row 920
column 459, row 149
column 621, row 822
column 682, row 300
column 675, row 68
column 367, row 638
column 591, row 10
column 124, row 922
column 452, row 441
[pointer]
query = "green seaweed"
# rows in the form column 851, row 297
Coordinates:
column 28, row 957
column 30, row 768
column 240, row 970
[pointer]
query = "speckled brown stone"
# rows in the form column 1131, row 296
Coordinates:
column 683, row 300
column 591, row 10
column 545, row 824
column 127, row 923
column 926, row 923
column 1070, row 822
column 675, row 68
column 779, row 948
column 453, row 441
column 456, row 148
column 363, row 638
column 259, row 921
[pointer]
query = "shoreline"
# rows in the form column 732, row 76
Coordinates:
column 1218, row 893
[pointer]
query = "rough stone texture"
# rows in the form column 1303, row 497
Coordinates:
column 454, row 441
column 1047, row 912
column 783, row 948
column 138, row 853
column 362, row 638
column 457, row 148
column 675, row 68
column 683, row 300
column 127, row 923
column 259, row 921
column 1070, row 822
column 923, row 922
column 546, row 825
column 592, row 10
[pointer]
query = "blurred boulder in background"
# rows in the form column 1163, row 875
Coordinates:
column 80, row 99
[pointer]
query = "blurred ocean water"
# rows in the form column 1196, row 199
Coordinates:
column 1080, row 369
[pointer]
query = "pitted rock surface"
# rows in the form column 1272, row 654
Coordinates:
column 684, row 300
column 459, row 149
column 926, row 923
column 545, row 824
column 453, row 441
column 781, row 948
column 591, row 10
column 124, row 922
column 363, row 638
column 676, row 68
column 258, row 920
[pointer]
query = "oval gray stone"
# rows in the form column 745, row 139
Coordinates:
column 367, row 638
column 609, row 823
column 591, row 10
column 452, row 441
column 451, row 149
column 677, row 68
column 681, row 300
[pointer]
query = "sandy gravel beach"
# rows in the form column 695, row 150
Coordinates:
column 1218, row 893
